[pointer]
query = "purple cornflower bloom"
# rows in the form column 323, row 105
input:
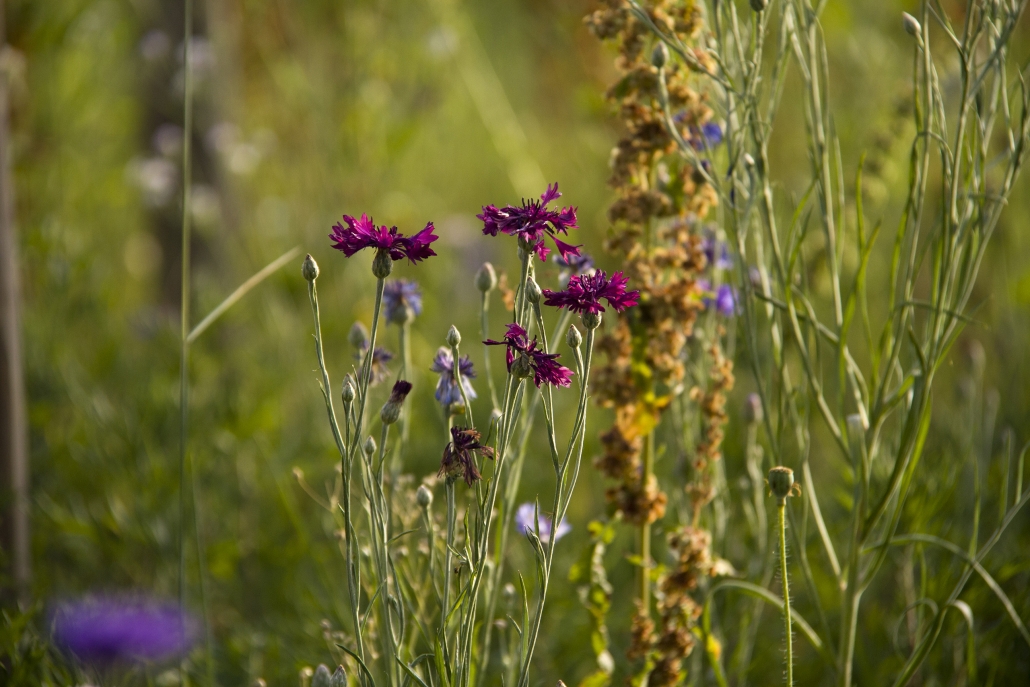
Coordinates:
column 108, row 630
column 380, row 357
column 402, row 300
column 459, row 458
column 524, row 523
column 717, row 253
column 363, row 233
column 542, row 366
column 584, row 293
column 724, row 300
column 447, row 391
column 708, row 136
column 531, row 222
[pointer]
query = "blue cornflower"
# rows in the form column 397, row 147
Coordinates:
column 524, row 523
column 724, row 299
column 402, row 301
column 716, row 252
column 447, row 391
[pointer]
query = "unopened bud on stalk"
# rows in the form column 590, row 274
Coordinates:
column 486, row 278
column 382, row 264
column 573, row 338
column 759, row 5
column 391, row 411
column 309, row 268
column 339, row 678
column 358, row 335
column 591, row 320
column 321, row 678
column 453, row 336
column 370, row 446
column 423, row 497
column 753, row 413
column 533, row 292
column 781, row 483
column 660, row 55
column 348, row 393
column 911, row 24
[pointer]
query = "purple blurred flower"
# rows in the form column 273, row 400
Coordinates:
column 459, row 458
column 531, row 222
column 447, row 391
column 574, row 265
column 542, row 366
column 724, row 299
column 524, row 523
column 380, row 357
column 716, row 252
column 107, row 630
column 363, row 233
column 584, row 293
column 708, row 136
column 402, row 300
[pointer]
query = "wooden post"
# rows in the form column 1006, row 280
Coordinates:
column 14, row 440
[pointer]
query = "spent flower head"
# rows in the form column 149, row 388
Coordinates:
column 459, row 458
column 402, row 301
column 525, row 359
column 447, row 390
column 524, row 523
column 531, row 222
column 584, row 293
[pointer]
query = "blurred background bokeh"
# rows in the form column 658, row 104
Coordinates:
column 410, row 110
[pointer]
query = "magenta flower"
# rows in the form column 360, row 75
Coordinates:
column 531, row 222
column 584, row 293
column 363, row 233
column 527, row 359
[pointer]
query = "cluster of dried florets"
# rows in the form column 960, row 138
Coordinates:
column 660, row 198
column 712, row 404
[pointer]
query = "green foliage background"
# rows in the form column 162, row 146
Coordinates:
column 306, row 111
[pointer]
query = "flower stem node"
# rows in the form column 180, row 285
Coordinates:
column 911, row 24
column 591, row 320
column 533, row 292
column 382, row 264
column 486, row 278
column 453, row 336
column 423, row 497
column 370, row 446
column 573, row 338
column 781, row 483
column 660, row 56
column 309, row 268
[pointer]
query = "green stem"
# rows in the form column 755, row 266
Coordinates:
column 484, row 329
column 781, row 526
column 645, row 529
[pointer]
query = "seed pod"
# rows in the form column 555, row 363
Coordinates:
column 309, row 268
column 486, row 278
column 382, row 265
column 453, row 336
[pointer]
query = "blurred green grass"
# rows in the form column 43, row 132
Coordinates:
column 306, row 111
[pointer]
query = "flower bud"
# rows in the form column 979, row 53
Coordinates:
column 349, row 392
column 660, row 55
column 453, row 336
column 486, row 278
column 573, row 338
column 749, row 161
column 533, row 292
column 358, row 336
column 391, row 411
column 339, row 678
column 370, row 446
column 423, row 497
column 781, row 482
column 759, row 5
column 911, row 24
column 321, row 678
column 382, row 264
column 753, row 413
column 521, row 368
column 309, row 268
column 591, row 320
